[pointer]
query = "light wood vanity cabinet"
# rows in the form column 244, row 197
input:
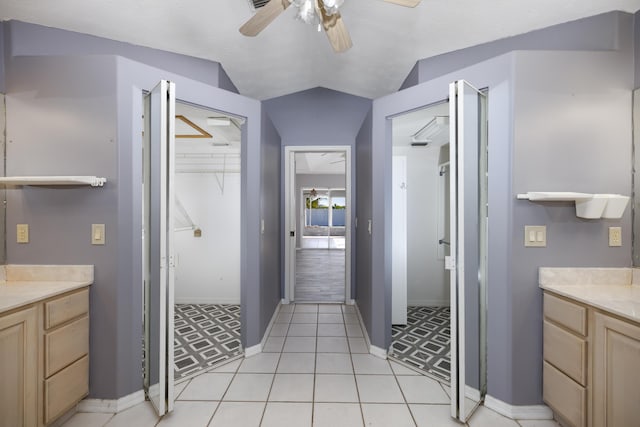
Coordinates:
column 590, row 368
column 564, row 382
column 19, row 368
column 44, row 359
column 616, row 373
column 66, row 350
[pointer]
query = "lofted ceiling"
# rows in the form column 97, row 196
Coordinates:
column 289, row 56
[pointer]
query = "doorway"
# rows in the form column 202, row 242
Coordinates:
column 317, row 214
column 192, row 220
column 421, row 331
column 207, row 239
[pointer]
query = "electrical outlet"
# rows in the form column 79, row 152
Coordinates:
column 22, row 231
column 615, row 236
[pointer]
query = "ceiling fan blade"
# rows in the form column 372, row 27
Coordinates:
column 405, row 3
column 263, row 17
column 333, row 25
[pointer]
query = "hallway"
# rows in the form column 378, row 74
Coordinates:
column 314, row 370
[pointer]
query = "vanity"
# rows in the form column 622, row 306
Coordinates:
column 44, row 342
column 591, row 345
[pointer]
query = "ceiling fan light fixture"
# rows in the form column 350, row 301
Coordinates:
column 331, row 6
column 306, row 11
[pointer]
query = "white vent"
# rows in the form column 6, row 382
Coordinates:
column 258, row 3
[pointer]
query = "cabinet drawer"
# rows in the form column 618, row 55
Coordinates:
column 66, row 345
column 564, row 396
column 566, row 352
column 565, row 313
column 65, row 389
column 66, row 308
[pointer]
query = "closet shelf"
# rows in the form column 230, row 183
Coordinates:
column 590, row 206
column 93, row 181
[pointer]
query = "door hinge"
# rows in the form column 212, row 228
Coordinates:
column 449, row 263
column 292, row 234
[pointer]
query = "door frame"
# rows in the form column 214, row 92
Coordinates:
column 290, row 216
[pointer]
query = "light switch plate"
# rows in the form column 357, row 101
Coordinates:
column 22, row 232
column 97, row 234
column 535, row 236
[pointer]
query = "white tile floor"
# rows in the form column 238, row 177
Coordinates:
column 314, row 370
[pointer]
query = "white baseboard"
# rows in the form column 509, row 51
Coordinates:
column 374, row 350
column 429, row 302
column 350, row 302
column 256, row 349
column 253, row 350
column 267, row 331
column 111, row 406
column 198, row 300
column 533, row 412
column 472, row 393
column 378, row 352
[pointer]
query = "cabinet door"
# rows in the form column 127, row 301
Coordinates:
column 616, row 376
column 19, row 369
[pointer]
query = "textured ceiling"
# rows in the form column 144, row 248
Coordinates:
column 290, row 56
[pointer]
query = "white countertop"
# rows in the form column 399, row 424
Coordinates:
column 28, row 284
column 622, row 300
column 610, row 290
column 18, row 294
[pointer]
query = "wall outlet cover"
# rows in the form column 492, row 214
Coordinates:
column 615, row 236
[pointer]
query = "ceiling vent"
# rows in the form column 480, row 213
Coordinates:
column 257, row 4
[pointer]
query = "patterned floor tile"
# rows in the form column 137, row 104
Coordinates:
column 205, row 336
column 425, row 341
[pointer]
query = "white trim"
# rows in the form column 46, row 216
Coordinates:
column 267, row 331
column 430, row 302
column 253, row 350
column 378, row 352
column 373, row 350
column 284, row 301
column 257, row 349
column 533, row 412
column 290, row 216
column 207, row 300
column 453, row 247
column 472, row 393
column 350, row 302
column 111, row 406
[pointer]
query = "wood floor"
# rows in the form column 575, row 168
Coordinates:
column 320, row 275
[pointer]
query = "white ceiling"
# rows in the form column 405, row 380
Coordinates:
column 330, row 162
column 290, row 56
column 406, row 125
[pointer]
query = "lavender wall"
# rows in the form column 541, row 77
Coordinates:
column 319, row 116
column 569, row 132
column 271, row 251
column 85, row 107
column 600, row 32
column 542, row 131
column 73, row 100
column 362, row 214
column 38, row 40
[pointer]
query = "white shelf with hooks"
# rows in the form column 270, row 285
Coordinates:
column 590, row 206
column 93, row 181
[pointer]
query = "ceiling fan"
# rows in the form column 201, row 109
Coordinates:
column 323, row 12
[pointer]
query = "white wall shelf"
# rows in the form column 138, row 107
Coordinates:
column 590, row 206
column 93, row 181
